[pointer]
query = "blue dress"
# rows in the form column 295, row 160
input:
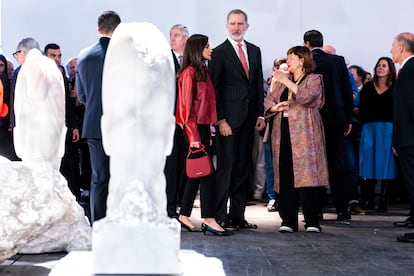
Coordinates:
column 376, row 158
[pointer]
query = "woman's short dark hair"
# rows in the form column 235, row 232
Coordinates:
column 306, row 54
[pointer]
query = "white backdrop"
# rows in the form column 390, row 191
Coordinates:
column 362, row 31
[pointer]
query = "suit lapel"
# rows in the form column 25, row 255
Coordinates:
column 251, row 57
column 234, row 58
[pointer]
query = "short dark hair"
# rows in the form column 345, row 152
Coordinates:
column 314, row 37
column 108, row 21
column 360, row 72
column 52, row 46
column 306, row 54
column 237, row 11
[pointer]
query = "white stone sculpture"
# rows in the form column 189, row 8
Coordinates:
column 136, row 236
column 38, row 213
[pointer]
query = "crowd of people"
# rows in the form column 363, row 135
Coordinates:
column 314, row 128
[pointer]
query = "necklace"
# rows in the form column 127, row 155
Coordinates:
column 290, row 96
column 290, row 92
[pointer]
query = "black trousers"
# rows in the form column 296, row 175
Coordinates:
column 99, row 179
column 406, row 157
column 234, row 154
column 69, row 166
column 335, row 151
column 289, row 197
column 7, row 145
column 174, row 170
column 206, row 184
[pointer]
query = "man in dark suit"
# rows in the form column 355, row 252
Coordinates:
column 403, row 122
column 236, row 72
column 336, row 116
column 174, row 165
column 89, row 89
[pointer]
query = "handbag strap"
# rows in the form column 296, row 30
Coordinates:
column 196, row 150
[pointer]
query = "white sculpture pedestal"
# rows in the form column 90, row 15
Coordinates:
column 136, row 248
column 79, row 263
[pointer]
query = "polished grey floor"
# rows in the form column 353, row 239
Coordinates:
column 365, row 247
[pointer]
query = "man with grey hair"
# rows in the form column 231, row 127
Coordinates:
column 174, row 165
column 23, row 47
column 402, row 52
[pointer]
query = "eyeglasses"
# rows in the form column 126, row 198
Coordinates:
column 15, row 53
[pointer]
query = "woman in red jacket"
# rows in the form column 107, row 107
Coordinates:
column 195, row 112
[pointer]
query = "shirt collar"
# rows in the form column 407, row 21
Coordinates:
column 405, row 60
column 234, row 43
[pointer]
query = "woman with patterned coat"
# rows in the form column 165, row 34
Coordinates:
column 298, row 142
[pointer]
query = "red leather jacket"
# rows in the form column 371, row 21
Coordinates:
column 196, row 103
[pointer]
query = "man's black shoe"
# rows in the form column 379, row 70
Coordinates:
column 245, row 225
column 343, row 217
column 236, row 224
column 405, row 223
column 407, row 237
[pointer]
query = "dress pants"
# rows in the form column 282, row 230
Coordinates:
column 70, row 165
column 174, row 170
column 99, row 179
column 259, row 166
column 7, row 144
column 290, row 197
column 206, row 184
column 406, row 157
column 233, row 164
column 351, row 164
column 270, row 179
column 335, row 151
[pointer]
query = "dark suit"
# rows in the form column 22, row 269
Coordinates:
column 89, row 89
column 403, row 125
column 70, row 161
column 174, row 165
column 336, row 115
column 13, row 157
column 239, row 101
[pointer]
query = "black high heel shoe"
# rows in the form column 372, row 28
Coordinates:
column 188, row 228
column 206, row 228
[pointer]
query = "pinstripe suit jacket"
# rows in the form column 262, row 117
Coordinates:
column 237, row 96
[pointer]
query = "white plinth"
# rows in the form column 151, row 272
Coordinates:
column 136, row 249
column 79, row 263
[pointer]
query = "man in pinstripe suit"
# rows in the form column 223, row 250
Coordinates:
column 236, row 72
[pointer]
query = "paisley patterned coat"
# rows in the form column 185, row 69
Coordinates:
column 307, row 136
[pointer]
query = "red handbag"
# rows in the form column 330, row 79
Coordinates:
column 198, row 163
